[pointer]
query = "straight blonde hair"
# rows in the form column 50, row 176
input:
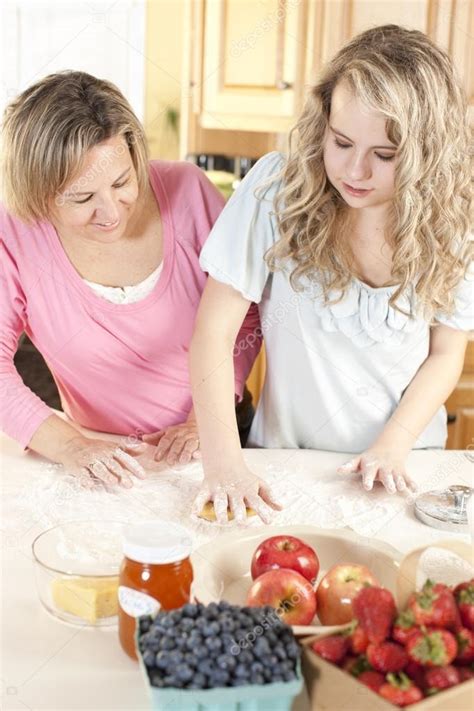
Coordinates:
column 47, row 131
column 402, row 74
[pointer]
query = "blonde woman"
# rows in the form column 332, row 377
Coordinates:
column 100, row 267
column 356, row 249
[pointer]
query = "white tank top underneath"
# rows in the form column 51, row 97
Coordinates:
column 127, row 294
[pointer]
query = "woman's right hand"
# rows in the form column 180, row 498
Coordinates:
column 110, row 462
column 236, row 490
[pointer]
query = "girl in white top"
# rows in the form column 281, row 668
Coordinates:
column 356, row 248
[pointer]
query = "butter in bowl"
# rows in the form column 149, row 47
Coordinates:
column 76, row 569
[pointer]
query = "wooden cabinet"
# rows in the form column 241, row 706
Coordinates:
column 249, row 62
column 460, row 406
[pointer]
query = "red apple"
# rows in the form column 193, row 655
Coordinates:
column 288, row 592
column 285, row 552
column 338, row 588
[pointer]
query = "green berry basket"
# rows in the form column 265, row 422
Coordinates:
column 278, row 696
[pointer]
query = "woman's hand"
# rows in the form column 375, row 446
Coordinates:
column 110, row 462
column 382, row 465
column 178, row 444
column 235, row 492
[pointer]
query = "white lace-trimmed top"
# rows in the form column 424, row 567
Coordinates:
column 127, row 294
column 335, row 373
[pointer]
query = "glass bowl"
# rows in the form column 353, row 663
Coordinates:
column 76, row 569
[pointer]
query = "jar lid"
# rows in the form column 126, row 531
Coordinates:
column 156, row 542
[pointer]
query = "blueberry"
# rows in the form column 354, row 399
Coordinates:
column 219, row 677
column 242, row 671
column 226, row 661
column 287, row 666
column 224, row 605
column 261, row 647
column 279, row 651
column 153, row 645
column 256, row 668
column 269, row 660
column 200, row 623
column 190, row 610
column 257, row 679
column 271, row 637
column 167, row 622
column 144, row 623
column 245, row 657
column 199, row 681
column 175, row 657
column 240, row 681
column 246, row 621
column 190, row 658
column 275, row 678
column 211, row 612
column 184, row 672
column 293, row 650
column 167, row 643
column 172, row 680
column 206, row 666
column 289, row 676
column 193, row 642
column 149, row 658
column 186, row 624
column 201, row 651
column 181, row 643
column 156, row 679
column 162, row 660
column 211, row 629
column 227, row 624
column 213, row 644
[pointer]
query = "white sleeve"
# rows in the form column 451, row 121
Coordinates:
column 246, row 228
column 462, row 317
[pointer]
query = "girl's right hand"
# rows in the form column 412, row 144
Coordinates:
column 92, row 459
column 236, row 491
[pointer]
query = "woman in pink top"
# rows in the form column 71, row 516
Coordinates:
column 85, row 208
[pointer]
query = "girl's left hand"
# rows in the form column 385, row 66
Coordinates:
column 380, row 465
column 178, row 444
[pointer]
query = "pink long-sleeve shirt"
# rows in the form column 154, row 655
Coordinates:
column 120, row 368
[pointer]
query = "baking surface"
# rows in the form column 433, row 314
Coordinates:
column 48, row 665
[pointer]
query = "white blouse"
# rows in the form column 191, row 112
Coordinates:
column 127, row 294
column 335, row 373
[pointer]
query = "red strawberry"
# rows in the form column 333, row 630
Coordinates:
column 465, row 674
column 333, row 648
column 372, row 679
column 432, row 647
column 356, row 665
column 416, row 672
column 434, row 605
column 375, row 609
column 358, row 640
column 464, row 596
column 404, row 626
column 465, row 640
column 400, row 690
column 387, row 657
column 441, row 678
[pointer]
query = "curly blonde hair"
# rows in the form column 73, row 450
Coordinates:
column 48, row 129
column 403, row 75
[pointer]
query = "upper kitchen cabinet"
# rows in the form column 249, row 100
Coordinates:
column 253, row 63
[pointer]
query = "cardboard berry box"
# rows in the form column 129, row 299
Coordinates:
column 333, row 689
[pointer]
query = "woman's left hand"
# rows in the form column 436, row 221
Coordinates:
column 178, row 444
column 381, row 465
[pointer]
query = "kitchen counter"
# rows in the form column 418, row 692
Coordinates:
column 51, row 666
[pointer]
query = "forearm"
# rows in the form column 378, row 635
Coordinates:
column 212, row 377
column 428, row 390
column 53, row 437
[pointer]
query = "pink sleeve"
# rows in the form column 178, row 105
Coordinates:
column 22, row 412
column 249, row 339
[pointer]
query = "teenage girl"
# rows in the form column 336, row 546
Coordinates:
column 356, row 249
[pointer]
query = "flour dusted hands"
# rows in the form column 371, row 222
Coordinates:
column 178, row 444
column 111, row 463
column 235, row 492
column 382, row 465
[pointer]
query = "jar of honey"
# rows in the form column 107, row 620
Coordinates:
column 156, row 574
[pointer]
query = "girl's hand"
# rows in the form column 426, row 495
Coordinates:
column 235, row 492
column 111, row 463
column 178, row 444
column 380, row 465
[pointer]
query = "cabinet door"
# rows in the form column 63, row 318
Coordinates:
column 253, row 68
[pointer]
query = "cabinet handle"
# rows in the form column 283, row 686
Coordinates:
column 283, row 85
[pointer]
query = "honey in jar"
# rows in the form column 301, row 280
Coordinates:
column 156, row 574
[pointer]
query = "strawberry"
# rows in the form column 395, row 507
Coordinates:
column 465, row 674
column 333, row 648
column 464, row 596
column 374, row 608
column 387, row 656
column 416, row 673
column 358, row 640
column 404, row 626
column 434, row 605
column 432, row 647
column 372, row 679
column 400, row 690
column 356, row 665
column 465, row 640
column 439, row 678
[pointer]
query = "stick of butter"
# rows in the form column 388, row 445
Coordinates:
column 87, row 598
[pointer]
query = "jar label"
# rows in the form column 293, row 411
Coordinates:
column 136, row 603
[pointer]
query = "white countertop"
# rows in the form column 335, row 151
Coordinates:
column 52, row 666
